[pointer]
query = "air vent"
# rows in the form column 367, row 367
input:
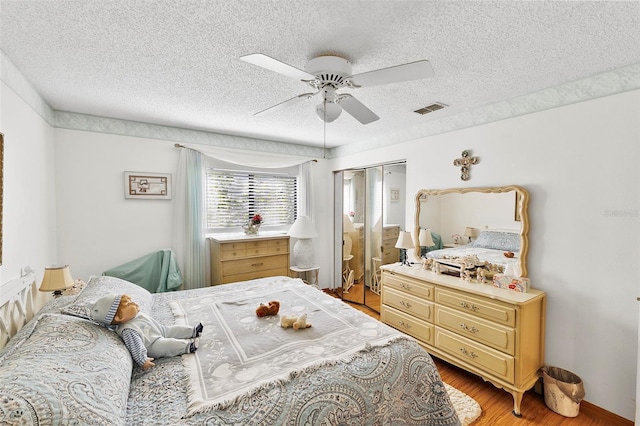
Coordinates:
column 430, row 108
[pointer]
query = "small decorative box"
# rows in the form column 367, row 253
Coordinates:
column 512, row 283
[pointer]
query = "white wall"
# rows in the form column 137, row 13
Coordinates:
column 98, row 227
column 580, row 166
column 29, row 216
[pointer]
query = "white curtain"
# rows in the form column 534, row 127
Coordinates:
column 263, row 160
column 305, row 200
column 188, row 232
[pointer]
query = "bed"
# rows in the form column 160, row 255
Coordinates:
column 61, row 368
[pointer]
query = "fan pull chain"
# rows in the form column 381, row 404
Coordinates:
column 324, row 129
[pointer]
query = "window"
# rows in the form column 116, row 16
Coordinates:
column 233, row 197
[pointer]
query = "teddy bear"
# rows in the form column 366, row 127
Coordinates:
column 294, row 321
column 270, row 308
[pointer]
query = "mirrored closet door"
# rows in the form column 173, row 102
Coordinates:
column 370, row 212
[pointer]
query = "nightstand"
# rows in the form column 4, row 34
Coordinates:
column 310, row 274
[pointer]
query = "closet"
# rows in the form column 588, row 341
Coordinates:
column 369, row 214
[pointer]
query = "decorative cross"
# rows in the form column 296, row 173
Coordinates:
column 465, row 163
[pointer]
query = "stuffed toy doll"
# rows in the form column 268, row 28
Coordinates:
column 145, row 337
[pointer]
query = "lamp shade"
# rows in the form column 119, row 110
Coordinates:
column 405, row 241
column 56, row 278
column 347, row 225
column 425, row 238
column 469, row 232
column 303, row 228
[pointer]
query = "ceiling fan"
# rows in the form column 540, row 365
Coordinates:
column 328, row 74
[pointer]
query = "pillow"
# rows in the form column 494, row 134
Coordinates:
column 495, row 240
column 68, row 371
column 99, row 286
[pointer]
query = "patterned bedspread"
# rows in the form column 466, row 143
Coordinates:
column 62, row 369
column 395, row 384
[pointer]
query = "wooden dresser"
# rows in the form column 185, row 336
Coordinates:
column 390, row 253
column 240, row 257
column 495, row 333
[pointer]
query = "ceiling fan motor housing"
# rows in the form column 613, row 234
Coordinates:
column 329, row 70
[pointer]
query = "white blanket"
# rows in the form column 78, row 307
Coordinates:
column 240, row 352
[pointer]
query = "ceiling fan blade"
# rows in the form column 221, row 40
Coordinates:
column 406, row 72
column 287, row 103
column 271, row 64
column 357, row 109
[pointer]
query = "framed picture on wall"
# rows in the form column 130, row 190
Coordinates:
column 395, row 194
column 147, row 186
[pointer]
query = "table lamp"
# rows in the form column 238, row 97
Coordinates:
column 304, row 231
column 405, row 242
column 56, row 279
column 469, row 232
column 425, row 238
column 347, row 226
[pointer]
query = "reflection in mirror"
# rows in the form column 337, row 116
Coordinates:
column 491, row 223
column 353, row 217
column 373, row 212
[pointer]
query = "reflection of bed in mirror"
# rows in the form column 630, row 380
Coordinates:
column 490, row 246
column 497, row 217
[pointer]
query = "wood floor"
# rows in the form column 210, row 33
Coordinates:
column 497, row 404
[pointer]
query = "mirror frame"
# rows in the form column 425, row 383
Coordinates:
column 522, row 203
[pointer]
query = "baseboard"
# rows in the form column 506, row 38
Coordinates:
column 607, row 417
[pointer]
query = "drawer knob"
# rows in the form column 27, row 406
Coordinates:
column 405, row 286
column 405, row 304
column 257, row 264
column 471, row 329
column 467, row 306
column 467, row 353
column 404, row 324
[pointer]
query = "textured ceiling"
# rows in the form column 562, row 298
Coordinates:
column 176, row 63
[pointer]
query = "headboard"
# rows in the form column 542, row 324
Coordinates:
column 19, row 302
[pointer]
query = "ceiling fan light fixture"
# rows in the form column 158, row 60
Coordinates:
column 328, row 111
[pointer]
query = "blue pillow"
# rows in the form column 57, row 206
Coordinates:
column 495, row 240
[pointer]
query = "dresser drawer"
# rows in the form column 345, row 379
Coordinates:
column 233, row 250
column 413, row 326
column 235, row 267
column 486, row 332
column 278, row 246
column 256, row 248
column 390, row 256
column 413, row 287
column 390, row 233
column 282, row 243
column 493, row 311
column 409, row 304
column 489, row 360
column 252, row 275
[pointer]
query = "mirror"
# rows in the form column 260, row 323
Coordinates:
column 460, row 218
column 372, row 208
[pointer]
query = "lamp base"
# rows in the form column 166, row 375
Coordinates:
column 303, row 253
